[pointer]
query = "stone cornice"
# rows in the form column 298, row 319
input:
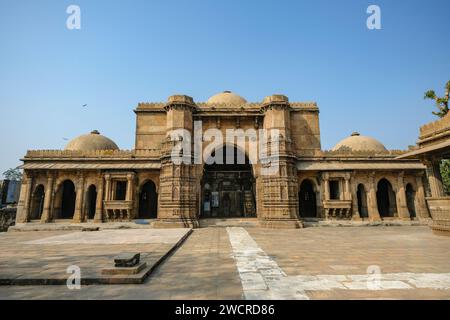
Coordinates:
column 203, row 107
column 362, row 153
column 91, row 155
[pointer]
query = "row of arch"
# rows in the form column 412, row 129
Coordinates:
column 65, row 198
column 386, row 200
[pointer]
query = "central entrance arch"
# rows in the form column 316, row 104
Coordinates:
column 228, row 185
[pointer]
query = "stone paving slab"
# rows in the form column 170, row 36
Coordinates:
column 313, row 251
column 42, row 258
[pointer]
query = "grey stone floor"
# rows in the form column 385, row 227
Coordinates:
column 204, row 267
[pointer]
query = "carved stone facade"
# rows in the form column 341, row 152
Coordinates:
column 433, row 147
column 95, row 181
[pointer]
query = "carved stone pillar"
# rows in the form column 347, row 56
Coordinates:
column 374, row 214
column 48, row 200
column 108, row 187
column 326, row 186
column 421, row 206
column 356, row 215
column 129, row 195
column 78, row 215
column 434, row 177
column 98, row 217
column 23, row 207
column 136, row 197
column 402, row 207
column 347, row 193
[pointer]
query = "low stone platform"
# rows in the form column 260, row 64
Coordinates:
column 229, row 222
column 63, row 225
column 43, row 258
column 312, row 222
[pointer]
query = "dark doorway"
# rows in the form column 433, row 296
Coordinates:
column 68, row 200
column 386, row 199
column 228, row 185
column 91, row 201
column 148, row 201
column 362, row 201
column 307, row 200
column 410, row 197
column 37, row 203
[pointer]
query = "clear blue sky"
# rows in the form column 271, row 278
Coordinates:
column 132, row 51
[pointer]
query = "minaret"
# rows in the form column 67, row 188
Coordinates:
column 178, row 203
column 279, row 205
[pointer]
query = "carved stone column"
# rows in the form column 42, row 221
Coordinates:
column 347, row 193
column 374, row 214
column 108, row 187
column 129, row 195
column 48, row 200
column 78, row 215
column 98, row 217
column 421, row 206
column 326, row 192
column 23, row 207
column 434, row 177
column 402, row 207
column 326, row 186
column 356, row 215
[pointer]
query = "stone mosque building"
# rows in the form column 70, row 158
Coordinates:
column 92, row 180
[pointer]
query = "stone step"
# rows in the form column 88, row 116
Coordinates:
column 229, row 222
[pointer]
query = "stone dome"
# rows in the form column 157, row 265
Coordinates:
column 357, row 142
column 91, row 141
column 227, row 97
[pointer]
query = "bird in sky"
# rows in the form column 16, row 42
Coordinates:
column 84, row 105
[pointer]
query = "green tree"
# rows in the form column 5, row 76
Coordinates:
column 441, row 102
column 445, row 173
column 13, row 174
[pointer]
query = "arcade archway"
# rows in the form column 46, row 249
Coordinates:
column 387, row 205
column 307, row 200
column 37, row 202
column 91, row 200
column 410, row 200
column 68, row 196
column 228, row 185
column 362, row 201
column 148, row 201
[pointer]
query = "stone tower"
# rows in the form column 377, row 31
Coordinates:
column 279, row 206
column 179, row 183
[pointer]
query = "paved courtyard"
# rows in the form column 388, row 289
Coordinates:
column 253, row 263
